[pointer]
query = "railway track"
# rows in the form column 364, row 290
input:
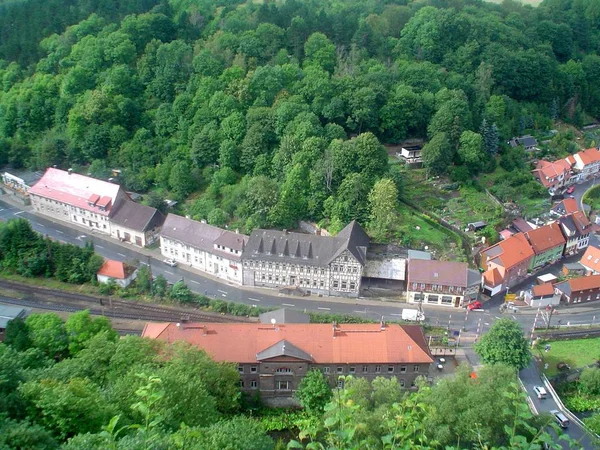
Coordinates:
column 55, row 300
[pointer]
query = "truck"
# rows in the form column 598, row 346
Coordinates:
column 412, row 315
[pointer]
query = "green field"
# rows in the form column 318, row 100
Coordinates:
column 575, row 353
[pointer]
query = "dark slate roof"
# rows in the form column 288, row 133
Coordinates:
column 284, row 315
column 473, row 277
column 201, row 235
column 525, row 141
column 9, row 312
column 283, row 348
column 137, row 217
column 308, row 249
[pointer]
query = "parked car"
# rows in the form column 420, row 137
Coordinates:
column 540, row 392
column 570, row 189
column 170, row 262
column 561, row 419
column 474, row 305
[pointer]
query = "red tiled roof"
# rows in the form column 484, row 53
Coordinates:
column 447, row 273
column 591, row 258
column 546, row 237
column 505, row 234
column 116, row 269
column 349, row 343
column 581, row 222
column 540, row 290
column 589, row 156
column 552, row 170
column 584, row 283
column 75, row 189
column 492, row 277
column 568, row 205
column 509, row 252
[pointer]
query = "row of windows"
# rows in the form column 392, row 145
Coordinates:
column 222, row 247
column 307, row 282
column 299, row 269
column 435, row 287
column 253, row 384
column 365, row 369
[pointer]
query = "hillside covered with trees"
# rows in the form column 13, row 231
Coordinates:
column 263, row 113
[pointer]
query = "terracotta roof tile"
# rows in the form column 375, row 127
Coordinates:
column 509, row 252
column 540, row 290
column 589, row 156
column 116, row 269
column 591, row 258
column 492, row 277
column 545, row 238
column 349, row 343
column 584, row 283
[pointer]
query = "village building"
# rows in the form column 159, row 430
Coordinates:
column 505, row 263
column 548, row 244
column 591, row 261
column 565, row 207
column 135, row 223
column 203, row 247
column 119, row 272
column 273, row 358
column 438, row 282
column 587, row 164
column 542, row 295
column 553, row 175
column 577, row 290
column 576, row 228
column 573, row 270
column 8, row 313
column 528, row 142
column 312, row 264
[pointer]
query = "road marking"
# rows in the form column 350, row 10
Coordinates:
column 40, row 225
column 394, row 314
column 514, row 318
column 170, row 273
column 58, row 231
column 146, row 264
column 17, row 213
column 324, row 309
column 498, row 317
column 194, row 281
column 287, row 304
column 99, row 246
column 121, row 254
column 223, row 295
column 360, row 312
column 253, row 299
column 222, row 292
column 486, row 324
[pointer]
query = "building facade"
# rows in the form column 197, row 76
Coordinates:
column 135, row 223
column 436, row 282
column 203, row 247
column 273, row 359
column 587, row 164
column 548, row 244
column 576, row 229
column 579, row 290
column 315, row 264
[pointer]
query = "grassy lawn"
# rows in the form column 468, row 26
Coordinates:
column 459, row 207
column 575, row 353
column 592, row 198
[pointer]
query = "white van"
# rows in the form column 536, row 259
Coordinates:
column 540, row 392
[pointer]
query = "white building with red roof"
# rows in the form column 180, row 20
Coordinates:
column 587, row 163
column 76, row 198
column 554, row 175
column 119, row 272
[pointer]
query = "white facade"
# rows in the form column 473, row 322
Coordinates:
column 122, row 282
column 222, row 262
column 341, row 277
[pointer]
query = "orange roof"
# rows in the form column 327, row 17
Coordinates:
column 584, row 283
column 543, row 289
column 545, row 238
column 589, row 156
column 509, row 252
column 492, row 277
column 347, row 343
column 581, row 221
column 116, row 269
column 552, row 170
column 570, row 205
column 591, row 258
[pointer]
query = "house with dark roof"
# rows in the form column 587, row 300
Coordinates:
column 548, row 244
column 505, row 263
column 528, row 142
column 203, row 247
column 576, row 228
column 273, row 358
column 313, row 264
column 437, row 282
column 283, row 315
column 135, row 223
column 577, row 290
column 119, row 272
column 8, row 313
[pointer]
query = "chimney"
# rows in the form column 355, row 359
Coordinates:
column 382, row 324
column 70, row 171
column 334, row 328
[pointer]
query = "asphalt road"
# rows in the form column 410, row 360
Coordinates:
column 531, row 378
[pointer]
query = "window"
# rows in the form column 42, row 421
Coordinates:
column 335, row 267
column 352, row 285
column 241, row 383
column 284, row 370
column 340, row 384
column 335, row 283
column 401, row 380
column 283, row 385
column 340, row 370
column 446, row 300
column 390, row 369
column 253, row 369
column 377, row 369
column 415, row 368
column 352, row 370
column 344, row 285
column 322, row 271
column 432, row 298
column 270, row 277
column 402, row 369
column 325, row 369
column 254, row 384
column 240, row 369
column 365, row 369
column 262, row 277
column 321, row 283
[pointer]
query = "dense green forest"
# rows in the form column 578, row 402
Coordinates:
column 75, row 385
column 262, row 113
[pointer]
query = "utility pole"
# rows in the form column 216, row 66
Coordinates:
column 534, row 323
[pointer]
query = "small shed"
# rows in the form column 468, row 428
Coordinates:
column 542, row 295
column 546, row 278
column 573, row 269
column 121, row 273
column 475, row 226
column 8, row 313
